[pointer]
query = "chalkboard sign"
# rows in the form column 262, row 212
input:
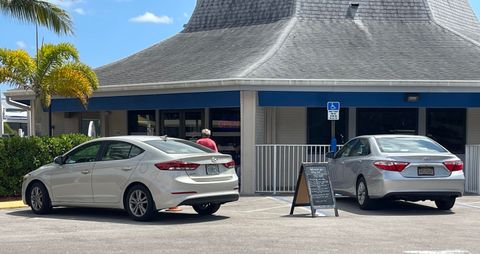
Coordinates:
column 314, row 188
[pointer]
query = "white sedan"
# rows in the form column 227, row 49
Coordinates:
column 141, row 174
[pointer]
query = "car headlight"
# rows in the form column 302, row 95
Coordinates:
column 26, row 176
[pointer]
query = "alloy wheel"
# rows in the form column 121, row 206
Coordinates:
column 138, row 203
column 361, row 193
column 36, row 198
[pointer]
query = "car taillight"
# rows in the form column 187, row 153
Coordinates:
column 176, row 165
column 230, row 164
column 454, row 165
column 391, row 165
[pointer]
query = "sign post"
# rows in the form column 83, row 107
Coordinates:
column 314, row 189
column 333, row 108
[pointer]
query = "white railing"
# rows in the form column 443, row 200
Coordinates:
column 278, row 165
column 472, row 169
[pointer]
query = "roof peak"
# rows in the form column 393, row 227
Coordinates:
column 218, row 14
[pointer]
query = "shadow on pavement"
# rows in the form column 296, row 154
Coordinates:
column 119, row 216
column 390, row 208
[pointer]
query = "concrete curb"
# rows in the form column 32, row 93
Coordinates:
column 12, row 204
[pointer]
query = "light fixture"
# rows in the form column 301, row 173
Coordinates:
column 412, row 97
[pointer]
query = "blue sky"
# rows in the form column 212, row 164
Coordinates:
column 108, row 30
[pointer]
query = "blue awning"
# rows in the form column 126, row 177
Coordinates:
column 155, row 101
column 370, row 100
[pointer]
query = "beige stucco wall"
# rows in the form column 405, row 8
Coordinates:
column 65, row 123
column 116, row 123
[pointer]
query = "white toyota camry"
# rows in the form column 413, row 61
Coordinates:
column 141, row 174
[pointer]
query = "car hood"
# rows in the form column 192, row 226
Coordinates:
column 42, row 169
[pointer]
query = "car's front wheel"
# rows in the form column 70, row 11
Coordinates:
column 39, row 199
column 206, row 209
column 446, row 203
column 139, row 203
column 363, row 199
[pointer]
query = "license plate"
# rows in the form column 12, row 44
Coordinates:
column 426, row 171
column 213, row 170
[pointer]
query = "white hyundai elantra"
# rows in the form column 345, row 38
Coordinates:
column 141, row 174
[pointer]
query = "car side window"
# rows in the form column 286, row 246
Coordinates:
column 345, row 151
column 361, row 148
column 120, row 151
column 87, row 153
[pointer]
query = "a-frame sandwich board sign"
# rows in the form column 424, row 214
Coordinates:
column 314, row 188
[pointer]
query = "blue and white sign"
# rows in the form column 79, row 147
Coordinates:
column 333, row 108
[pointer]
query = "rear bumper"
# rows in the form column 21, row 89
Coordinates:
column 215, row 199
column 394, row 185
column 417, row 196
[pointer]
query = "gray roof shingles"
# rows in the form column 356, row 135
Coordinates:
column 388, row 39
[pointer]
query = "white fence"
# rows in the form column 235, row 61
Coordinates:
column 278, row 165
column 472, row 169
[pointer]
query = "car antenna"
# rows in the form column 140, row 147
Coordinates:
column 164, row 137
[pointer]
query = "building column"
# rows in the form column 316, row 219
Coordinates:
column 422, row 121
column 352, row 123
column 207, row 118
column 248, row 108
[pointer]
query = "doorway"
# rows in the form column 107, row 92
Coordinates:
column 185, row 124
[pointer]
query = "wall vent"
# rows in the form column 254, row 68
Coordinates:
column 352, row 10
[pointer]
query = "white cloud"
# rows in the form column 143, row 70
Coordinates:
column 21, row 44
column 79, row 11
column 149, row 17
column 186, row 15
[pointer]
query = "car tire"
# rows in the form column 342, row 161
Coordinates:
column 362, row 197
column 40, row 202
column 446, row 203
column 139, row 203
column 206, row 209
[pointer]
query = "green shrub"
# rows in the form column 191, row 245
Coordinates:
column 18, row 156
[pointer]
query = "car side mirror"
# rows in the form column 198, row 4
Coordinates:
column 58, row 160
column 330, row 155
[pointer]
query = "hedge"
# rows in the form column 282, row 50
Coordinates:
column 18, row 156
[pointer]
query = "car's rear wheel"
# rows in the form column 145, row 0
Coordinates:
column 363, row 199
column 446, row 203
column 39, row 199
column 206, row 209
column 139, row 203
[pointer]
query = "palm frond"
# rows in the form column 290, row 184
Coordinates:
column 50, row 56
column 39, row 12
column 69, row 81
column 16, row 68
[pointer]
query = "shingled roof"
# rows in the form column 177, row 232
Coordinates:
column 312, row 39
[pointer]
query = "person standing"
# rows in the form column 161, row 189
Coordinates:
column 206, row 141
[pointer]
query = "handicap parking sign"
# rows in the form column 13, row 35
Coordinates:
column 333, row 106
column 333, row 110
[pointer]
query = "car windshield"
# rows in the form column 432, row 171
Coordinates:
column 178, row 146
column 408, row 145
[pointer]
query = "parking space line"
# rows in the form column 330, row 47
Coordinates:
column 266, row 209
column 468, row 205
column 437, row 252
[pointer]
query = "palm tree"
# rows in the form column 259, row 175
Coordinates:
column 39, row 12
column 56, row 71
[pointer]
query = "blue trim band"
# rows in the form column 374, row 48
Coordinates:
column 158, row 101
column 370, row 100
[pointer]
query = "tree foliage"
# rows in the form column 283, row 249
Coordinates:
column 39, row 12
column 55, row 71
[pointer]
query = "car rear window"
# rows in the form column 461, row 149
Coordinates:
column 408, row 145
column 178, row 146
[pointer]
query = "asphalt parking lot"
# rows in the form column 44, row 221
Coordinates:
column 258, row 224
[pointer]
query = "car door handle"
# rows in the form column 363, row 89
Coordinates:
column 85, row 172
column 127, row 168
